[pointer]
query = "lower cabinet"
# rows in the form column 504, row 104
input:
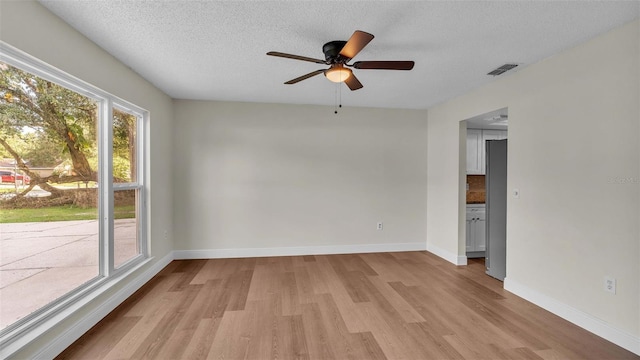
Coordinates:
column 476, row 224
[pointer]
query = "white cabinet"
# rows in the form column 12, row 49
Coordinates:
column 476, row 150
column 474, row 157
column 476, row 225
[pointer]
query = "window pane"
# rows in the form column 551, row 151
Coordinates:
column 125, row 227
column 124, row 146
column 49, row 242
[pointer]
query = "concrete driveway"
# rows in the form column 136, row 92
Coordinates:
column 40, row 262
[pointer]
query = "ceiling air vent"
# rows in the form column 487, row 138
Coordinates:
column 502, row 69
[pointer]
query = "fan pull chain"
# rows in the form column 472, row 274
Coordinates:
column 338, row 98
column 335, row 106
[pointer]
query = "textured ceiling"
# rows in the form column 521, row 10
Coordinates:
column 213, row 50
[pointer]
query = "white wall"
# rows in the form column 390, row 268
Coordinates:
column 283, row 176
column 31, row 28
column 574, row 153
column 254, row 176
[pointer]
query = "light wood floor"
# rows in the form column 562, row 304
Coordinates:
column 409, row 305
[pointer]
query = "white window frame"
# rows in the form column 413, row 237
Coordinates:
column 29, row 328
column 137, row 185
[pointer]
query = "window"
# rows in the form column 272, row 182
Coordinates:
column 72, row 211
column 126, row 186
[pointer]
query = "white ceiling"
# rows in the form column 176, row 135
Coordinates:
column 215, row 50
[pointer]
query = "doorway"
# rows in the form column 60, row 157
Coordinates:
column 484, row 211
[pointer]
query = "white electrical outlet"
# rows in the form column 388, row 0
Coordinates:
column 610, row 284
column 379, row 226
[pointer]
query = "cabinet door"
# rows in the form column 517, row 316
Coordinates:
column 474, row 152
column 470, row 244
column 479, row 234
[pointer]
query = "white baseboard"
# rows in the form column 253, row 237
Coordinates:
column 578, row 317
column 299, row 250
column 65, row 339
column 447, row 255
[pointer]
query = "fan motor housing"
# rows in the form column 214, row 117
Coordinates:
column 332, row 50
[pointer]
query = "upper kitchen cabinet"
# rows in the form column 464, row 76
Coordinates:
column 476, row 158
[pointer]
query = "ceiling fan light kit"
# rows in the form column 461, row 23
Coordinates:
column 338, row 73
column 337, row 55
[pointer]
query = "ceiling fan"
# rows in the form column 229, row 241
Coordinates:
column 337, row 54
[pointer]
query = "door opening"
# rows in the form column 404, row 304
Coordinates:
column 485, row 191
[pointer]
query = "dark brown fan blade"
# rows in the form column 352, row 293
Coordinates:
column 296, row 57
column 384, row 65
column 353, row 83
column 304, row 77
column 357, row 42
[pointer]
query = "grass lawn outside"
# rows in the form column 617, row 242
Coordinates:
column 61, row 213
column 76, row 185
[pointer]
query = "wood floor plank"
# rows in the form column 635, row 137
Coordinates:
column 550, row 354
column 289, row 294
column 371, row 348
column 423, row 305
column 524, row 354
column 199, row 346
column 154, row 344
column 436, row 342
column 390, row 269
column 449, row 317
column 405, row 305
column 314, row 329
column 388, row 339
column 263, row 342
column 189, row 322
column 506, row 329
column 233, row 336
column 303, row 282
column 128, row 345
column 265, row 282
column 290, row 339
column 405, row 310
column 218, row 300
column 342, row 341
column 97, row 347
column 154, row 297
column 239, row 285
column 471, row 349
column 324, row 273
column 188, row 269
column 352, row 282
column 411, row 339
column 213, row 269
column 353, row 262
column 320, row 280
